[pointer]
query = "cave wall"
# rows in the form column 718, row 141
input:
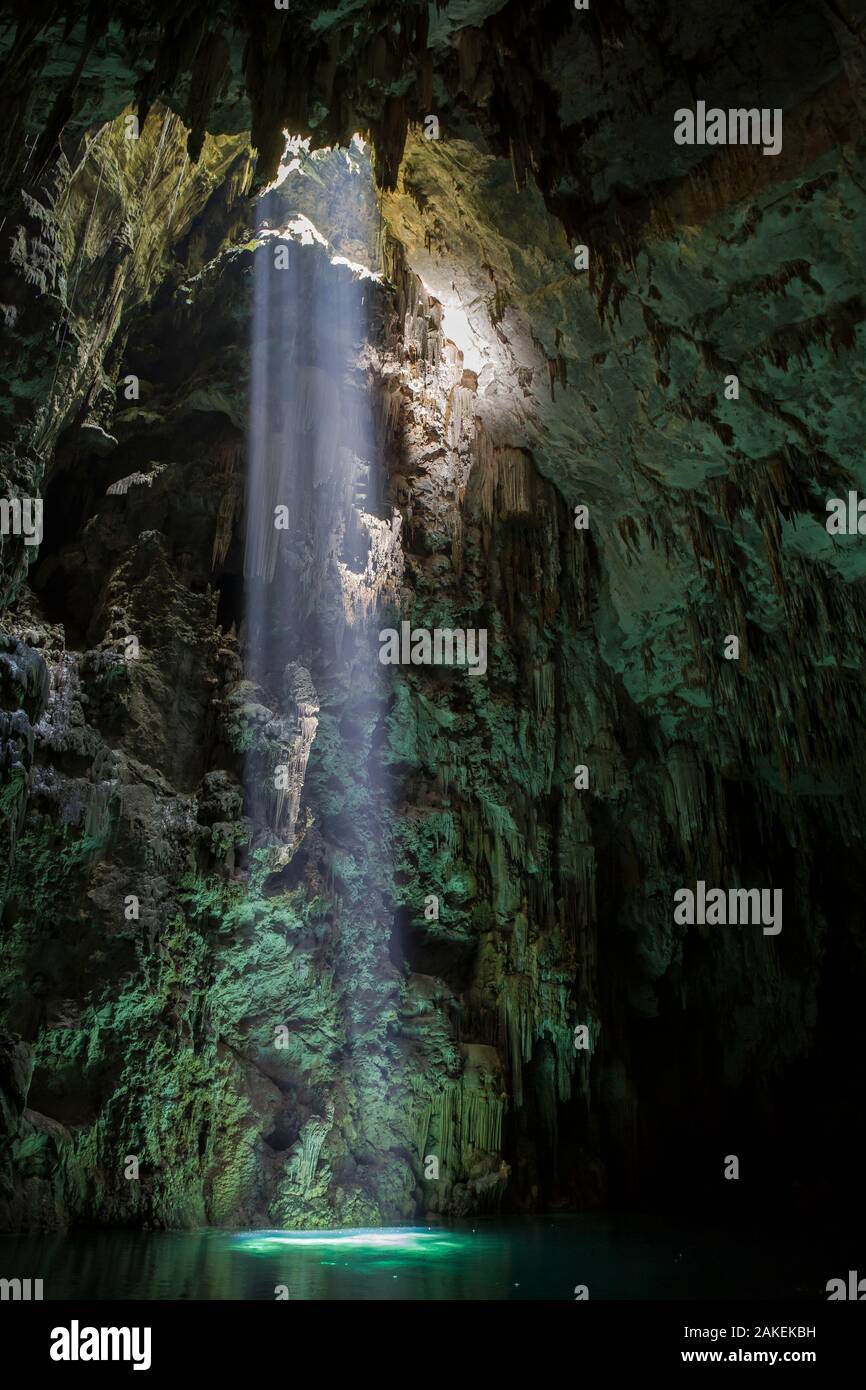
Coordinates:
column 410, row 1036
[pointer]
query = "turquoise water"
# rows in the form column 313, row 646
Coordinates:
column 541, row 1258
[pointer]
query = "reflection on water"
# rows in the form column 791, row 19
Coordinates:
column 543, row 1258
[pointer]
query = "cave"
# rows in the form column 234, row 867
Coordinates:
column 432, row 698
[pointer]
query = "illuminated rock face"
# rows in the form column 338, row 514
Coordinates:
column 438, row 968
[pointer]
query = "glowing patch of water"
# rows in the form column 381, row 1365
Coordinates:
column 405, row 1239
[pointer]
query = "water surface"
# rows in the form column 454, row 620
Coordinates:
column 523, row 1258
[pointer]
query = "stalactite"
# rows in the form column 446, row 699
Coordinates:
column 421, row 1116
column 306, row 1152
column 458, row 414
column 380, row 582
column 287, row 799
column 515, row 1016
column 467, row 1114
column 97, row 821
column 505, row 480
column 227, row 511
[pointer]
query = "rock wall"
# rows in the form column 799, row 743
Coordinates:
column 353, row 996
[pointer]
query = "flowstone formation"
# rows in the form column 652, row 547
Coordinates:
column 292, row 937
